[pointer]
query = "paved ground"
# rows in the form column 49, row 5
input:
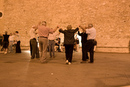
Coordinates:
column 108, row 70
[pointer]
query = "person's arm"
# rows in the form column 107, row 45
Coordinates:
column 36, row 32
column 55, row 28
column 30, row 32
column 76, row 29
column 61, row 30
column 56, row 33
column 83, row 28
column 88, row 31
column 79, row 33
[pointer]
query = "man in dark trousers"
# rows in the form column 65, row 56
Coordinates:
column 5, row 42
column 83, row 40
column 33, row 43
column 17, row 36
column 91, row 31
column 69, row 42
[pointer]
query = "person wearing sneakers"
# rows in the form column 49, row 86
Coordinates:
column 69, row 42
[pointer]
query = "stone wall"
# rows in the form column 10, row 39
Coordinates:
column 111, row 18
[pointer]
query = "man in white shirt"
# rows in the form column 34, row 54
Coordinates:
column 52, row 38
column 91, row 31
column 33, row 43
column 11, row 41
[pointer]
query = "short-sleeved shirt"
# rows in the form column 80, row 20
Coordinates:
column 44, row 31
column 91, row 33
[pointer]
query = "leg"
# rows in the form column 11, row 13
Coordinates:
column 30, row 48
column 83, row 55
column 11, row 46
column 53, row 50
column 41, row 46
column 18, row 49
column 70, row 52
column 6, row 47
column 33, row 43
column 37, row 50
column 67, row 52
column 44, row 43
column 91, row 54
column 87, row 55
column 50, row 47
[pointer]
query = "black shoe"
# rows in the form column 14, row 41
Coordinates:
column 90, row 62
column 37, row 58
column 83, row 62
column 32, row 57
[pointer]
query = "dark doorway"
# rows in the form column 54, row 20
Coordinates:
column 0, row 14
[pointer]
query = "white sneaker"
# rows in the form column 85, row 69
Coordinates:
column 5, row 52
column 69, row 63
column 66, row 61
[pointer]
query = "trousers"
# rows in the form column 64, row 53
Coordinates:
column 34, row 48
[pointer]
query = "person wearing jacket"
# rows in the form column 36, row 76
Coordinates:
column 69, row 42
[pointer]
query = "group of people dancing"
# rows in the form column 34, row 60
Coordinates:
column 46, row 34
column 10, row 41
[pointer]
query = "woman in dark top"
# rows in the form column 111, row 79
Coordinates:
column 5, row 42
column 84, row 52
column 69, row 42
column 18, row 48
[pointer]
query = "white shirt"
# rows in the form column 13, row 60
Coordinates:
column 52, row 36
column 32, row 33
column 11, row 38
column 91, row 33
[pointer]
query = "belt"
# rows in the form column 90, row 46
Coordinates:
column 42, row 37
column 91, row 39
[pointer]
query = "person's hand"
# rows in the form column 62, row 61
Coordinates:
column 61, row 28
column 57, row 26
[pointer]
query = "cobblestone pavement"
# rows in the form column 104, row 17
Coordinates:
column 108, row 70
